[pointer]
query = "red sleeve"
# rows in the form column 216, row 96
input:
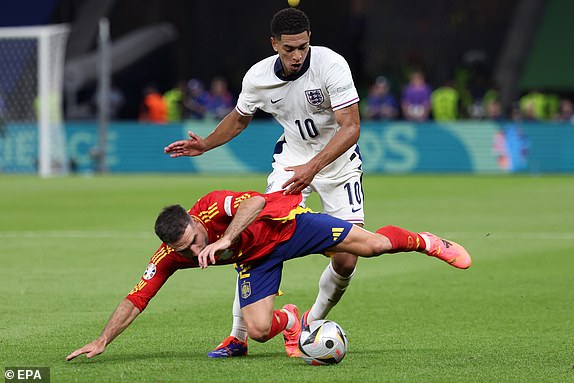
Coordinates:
column 162, row 265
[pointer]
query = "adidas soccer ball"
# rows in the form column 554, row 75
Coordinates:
column 324, row 342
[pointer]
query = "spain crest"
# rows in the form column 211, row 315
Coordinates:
column 245, row 290
column 314, row 97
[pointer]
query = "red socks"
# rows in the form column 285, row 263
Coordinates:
column 402, row 240
column 278, row 322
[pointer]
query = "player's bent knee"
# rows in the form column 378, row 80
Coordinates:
column 344, row 263
column 259, row 333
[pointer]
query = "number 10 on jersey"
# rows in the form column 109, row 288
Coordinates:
column 307, row 128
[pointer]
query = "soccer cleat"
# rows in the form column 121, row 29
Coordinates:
column 291, row 335
column 445, row 250
column 231, row 346
column 304, row 323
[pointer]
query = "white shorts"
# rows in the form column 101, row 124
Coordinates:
column 341, row 197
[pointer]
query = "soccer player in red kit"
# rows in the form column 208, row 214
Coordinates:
column 258, row 232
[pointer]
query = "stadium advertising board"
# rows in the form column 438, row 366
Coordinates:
column 394, row 147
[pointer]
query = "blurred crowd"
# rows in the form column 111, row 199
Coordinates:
column 383, row 100
column 452, row 100
column 184, row 101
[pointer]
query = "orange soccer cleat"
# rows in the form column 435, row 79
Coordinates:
column 446, row 250
column 291, row 334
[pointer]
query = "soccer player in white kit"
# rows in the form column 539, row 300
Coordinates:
column 311, row 93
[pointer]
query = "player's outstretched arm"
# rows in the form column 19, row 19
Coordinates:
column 194, row 146
column 233, row 124
column 122, row 317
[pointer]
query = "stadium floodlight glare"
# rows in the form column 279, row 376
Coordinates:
column 31, row 87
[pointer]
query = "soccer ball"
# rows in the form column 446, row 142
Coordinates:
column 324, row 342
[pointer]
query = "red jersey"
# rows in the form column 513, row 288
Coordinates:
column 275, row 224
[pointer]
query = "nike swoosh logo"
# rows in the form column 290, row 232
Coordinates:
column 276, row 101
column 355, row 210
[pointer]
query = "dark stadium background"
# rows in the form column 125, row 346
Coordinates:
column 377, row 37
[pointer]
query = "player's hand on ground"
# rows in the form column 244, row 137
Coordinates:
column 91, row 349
column 302, row 177
column 194, row 146
column 208, row 253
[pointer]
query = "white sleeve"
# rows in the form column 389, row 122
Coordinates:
column 340, row 83
column 247, row 102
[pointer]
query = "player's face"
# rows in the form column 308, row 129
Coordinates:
column 193, row 240
column 293, row 50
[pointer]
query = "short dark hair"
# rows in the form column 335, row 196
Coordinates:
column 289, row 21
column 171, row 223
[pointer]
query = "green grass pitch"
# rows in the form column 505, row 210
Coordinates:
column 73, row 247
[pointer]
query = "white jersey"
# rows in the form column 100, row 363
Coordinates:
column 303, row 104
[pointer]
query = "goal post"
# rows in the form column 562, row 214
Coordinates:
column 31, row 89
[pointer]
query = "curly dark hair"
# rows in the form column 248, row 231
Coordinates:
column 171, row 223
column 289, row 21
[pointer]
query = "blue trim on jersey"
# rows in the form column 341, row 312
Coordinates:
column 278, row 68
column 314, row 233
column 358, row 151
column 278, row 149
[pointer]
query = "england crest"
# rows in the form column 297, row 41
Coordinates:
column 315, row 97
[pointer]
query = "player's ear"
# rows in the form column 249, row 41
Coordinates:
column 274, row 44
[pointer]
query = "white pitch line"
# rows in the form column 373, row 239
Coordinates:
column 76, row 234
column 550, row 236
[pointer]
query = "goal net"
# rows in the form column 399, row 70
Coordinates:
column 32, row 136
